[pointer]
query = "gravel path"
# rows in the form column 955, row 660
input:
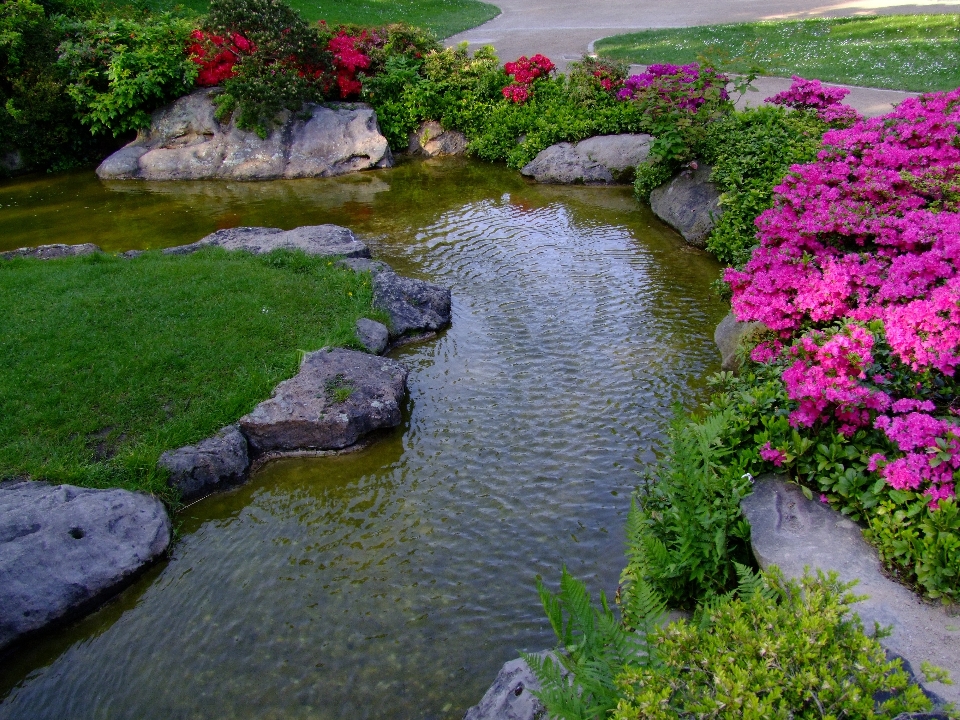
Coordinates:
column 564, row 30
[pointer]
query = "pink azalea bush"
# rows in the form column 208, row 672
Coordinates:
column 860, row 255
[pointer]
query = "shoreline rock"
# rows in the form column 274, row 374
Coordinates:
column 186, row 141
column 65, row 550
column 431, row 140
column 51, row 252
column 214, row 464
column 322, row 240
column 792, row 532
column 337, row 397
column 599, row 160
column 728, row 336
column 690, row 204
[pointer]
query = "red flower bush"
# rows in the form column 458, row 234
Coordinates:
column 216, row 55
column 524, row 71
column 867, row 239
column 347, row 60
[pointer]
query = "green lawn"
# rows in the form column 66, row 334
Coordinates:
column 901, row 52
column 107, row 362
column 443, row 17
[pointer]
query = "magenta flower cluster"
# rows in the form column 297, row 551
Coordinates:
column 826, row 101
column 867, row 237
column 684, row 86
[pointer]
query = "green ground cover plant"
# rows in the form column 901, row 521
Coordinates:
column 771, row 648
column 902, row 52
column 109, row 361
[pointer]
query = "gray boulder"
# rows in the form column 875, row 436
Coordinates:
column 211, row 465
column 792, row 532
column 64, row 550
column 510, row 697
column 327, row 240
column 600, row 160
column 185, row 141
column 415, row 306
column 337, row 397
column 11, row 161
column 728, row 336
column 51, row 252
column 689, row 203
column 431, row 140
column 372, row 335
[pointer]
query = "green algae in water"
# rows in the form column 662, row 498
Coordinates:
column 393, row 582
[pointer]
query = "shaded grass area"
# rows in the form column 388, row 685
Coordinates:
column 443, row 17
column 920, row 53
column 107, row 362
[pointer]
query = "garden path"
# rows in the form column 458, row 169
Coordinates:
column 564, row 30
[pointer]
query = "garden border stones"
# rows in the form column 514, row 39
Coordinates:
column 598, row 160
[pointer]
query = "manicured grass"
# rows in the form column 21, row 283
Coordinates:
column 443, row 17
column 902, row 52
column 107, row 362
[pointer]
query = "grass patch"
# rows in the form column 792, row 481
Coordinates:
column 443, row 17
column 920, row 53
column 109, row 362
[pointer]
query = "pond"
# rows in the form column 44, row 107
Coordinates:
column 394, row 581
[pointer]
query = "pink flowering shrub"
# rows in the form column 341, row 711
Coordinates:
column 812, row 95
column 857, row 276
column 524, row 72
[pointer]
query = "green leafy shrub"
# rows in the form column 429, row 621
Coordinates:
column 783, row 650
column 120, row 69
column 751, row 152
column 37, row 117
column 770, row 648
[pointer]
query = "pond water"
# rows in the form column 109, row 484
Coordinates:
column 393, row 582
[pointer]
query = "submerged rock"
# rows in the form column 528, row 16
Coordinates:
column 185, row 141
column 414, row 306
column 211, row 465
column 600, row 160
column 690, row 204
column 337, row 397
column 431, row 140
column 324, row 240
column 64, row 550
column 51, row 252
column 11, row 161
column 792, row 532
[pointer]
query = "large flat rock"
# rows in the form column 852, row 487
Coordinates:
column 689, row 203
column 64, row 550
column 185, row 141
column 337, row 397
column 324, row 240
column 792, row 532
column 415, row 306
column 600, row 160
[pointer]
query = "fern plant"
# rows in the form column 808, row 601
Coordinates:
column 579, row 681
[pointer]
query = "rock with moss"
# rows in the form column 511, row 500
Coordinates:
column 186, row 141
column 689, row 203
column 338, row 397
column 600, row 160
column 432, row 140
column 64, row 550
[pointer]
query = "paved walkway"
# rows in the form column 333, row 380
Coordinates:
column 564, row 30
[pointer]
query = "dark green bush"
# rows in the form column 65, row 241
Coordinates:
column 751, row 152
column 120, row 69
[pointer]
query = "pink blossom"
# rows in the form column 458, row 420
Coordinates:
column 771, row 454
